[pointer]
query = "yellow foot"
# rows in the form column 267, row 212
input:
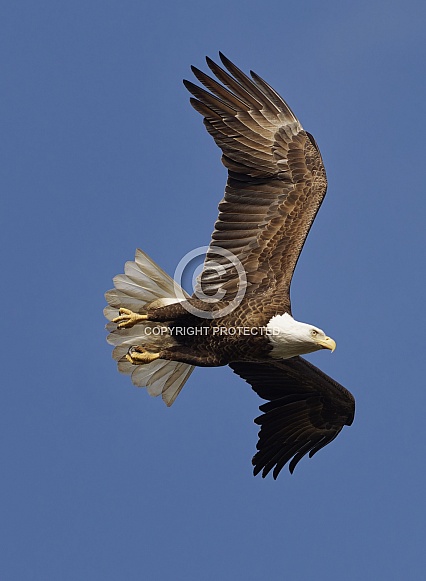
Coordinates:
column 128, row 318
column 140, row 356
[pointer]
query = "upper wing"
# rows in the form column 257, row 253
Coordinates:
column 276, row 181
column 306, row 411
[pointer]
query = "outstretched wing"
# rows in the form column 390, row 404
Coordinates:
column 306, row 411
column 276, row 182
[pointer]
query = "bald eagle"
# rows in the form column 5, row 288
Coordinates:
column 240, row 313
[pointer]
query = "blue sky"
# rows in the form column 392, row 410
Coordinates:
column 102, row 153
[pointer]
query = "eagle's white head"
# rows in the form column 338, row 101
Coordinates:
column 290, row 337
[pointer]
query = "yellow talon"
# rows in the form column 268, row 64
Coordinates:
column 128, row 318
column 139, row 356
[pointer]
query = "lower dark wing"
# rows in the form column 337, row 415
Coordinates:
column 306, row 411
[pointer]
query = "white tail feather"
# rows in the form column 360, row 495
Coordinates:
column 143, row 283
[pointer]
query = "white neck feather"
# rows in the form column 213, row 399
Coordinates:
column 289, row 337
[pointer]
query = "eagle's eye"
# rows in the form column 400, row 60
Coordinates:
column 314, row 332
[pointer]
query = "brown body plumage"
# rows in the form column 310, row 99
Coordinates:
column 212, row 342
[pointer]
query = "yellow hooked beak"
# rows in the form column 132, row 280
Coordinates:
column 327, row 343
